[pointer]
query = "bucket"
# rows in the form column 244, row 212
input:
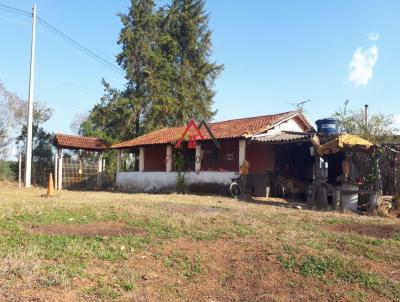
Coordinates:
column 349, row 197
column 327, row 126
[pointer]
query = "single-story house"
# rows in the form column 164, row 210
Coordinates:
column 277, row 147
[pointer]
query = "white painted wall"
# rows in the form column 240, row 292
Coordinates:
column 289, row 125
column 165, row 181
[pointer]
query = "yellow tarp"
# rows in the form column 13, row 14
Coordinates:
column 345, row 142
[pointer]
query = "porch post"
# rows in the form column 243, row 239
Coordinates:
column 168, row 159
column 56, row 170
column 242, row 151
column 100, row 162
column 99, row 169
column 60, row 168
column 118, row 160
column 141, row 159
column 197, row 165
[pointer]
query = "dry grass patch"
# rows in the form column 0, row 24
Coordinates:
column 103, row 246
column 110, row 229
column 372, row 230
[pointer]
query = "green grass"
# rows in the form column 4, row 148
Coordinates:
column 102, row 290
column 111, row 267
column 321, row 267
column 188, row 267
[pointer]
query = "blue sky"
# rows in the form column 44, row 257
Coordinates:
column 275, row 53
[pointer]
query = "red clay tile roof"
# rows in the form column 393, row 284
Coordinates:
column 79, row 142
column 236, row 128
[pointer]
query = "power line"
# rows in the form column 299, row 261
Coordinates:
column 80, row 47
column 14, row 20
column 15, row 10
column 52, row 29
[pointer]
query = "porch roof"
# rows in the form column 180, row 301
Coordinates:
column 283, row 137
column 79, row 142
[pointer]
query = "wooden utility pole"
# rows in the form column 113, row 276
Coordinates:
column 28, row 159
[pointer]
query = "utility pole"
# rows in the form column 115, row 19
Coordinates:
column 366, row 115
column 28, row 160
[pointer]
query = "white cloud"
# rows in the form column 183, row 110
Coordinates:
column 362, row 65
column 373, row 37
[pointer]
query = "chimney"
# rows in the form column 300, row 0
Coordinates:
column 366, row 114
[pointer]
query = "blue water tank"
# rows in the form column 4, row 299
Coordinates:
column 327, row 126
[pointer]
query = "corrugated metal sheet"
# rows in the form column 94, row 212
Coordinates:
column 282, row 137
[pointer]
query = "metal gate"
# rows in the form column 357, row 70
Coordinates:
column 82, row 173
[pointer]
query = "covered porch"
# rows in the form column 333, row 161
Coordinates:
column 207, row 169
column 280, row 165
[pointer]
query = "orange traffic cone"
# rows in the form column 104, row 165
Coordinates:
column 50, row 187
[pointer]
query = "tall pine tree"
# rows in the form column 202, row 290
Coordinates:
column 138, row 39
column 166, row 56
column 188, row 26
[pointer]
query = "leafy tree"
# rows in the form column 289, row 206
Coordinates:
column 188, row 26
column 379, row 129
column 166, row 56
column 110, row 119
column 42, row 145
column 138, row 39
column 11, row 108
column 6, row 170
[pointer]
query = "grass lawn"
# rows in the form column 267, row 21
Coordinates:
column 101, row 246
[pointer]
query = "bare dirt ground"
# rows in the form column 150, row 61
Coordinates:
column 374, row 230
column 102, row 246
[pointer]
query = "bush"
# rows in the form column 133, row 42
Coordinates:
column 6, row 171
column 179, row 165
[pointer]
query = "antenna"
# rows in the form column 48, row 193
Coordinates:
column 300, row 105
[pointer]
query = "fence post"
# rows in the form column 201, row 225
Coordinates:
column 99, row 169
column 60, row 168
column 56, row 170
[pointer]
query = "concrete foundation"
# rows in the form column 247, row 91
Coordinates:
column 159, row 182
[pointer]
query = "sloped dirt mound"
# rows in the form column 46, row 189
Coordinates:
column 111, row 229
column 373, row 230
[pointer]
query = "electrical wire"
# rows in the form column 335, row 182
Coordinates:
column 80, row 47
column 52, row 29
column 14, row 20
column 15, row 10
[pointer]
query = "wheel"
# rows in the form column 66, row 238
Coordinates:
column 236, row 190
